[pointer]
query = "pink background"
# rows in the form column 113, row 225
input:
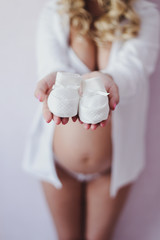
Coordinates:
column 23, row 212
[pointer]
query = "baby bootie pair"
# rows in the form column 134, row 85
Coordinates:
column 65, row 99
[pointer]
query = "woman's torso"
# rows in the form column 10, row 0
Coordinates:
column 76, row 148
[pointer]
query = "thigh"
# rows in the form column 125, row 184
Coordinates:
column 102, row 211
column 65, row 206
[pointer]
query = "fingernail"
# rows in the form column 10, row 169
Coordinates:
column 114, row 105
column 64, row 122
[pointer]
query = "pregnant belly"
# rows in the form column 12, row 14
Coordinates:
column 81, row 150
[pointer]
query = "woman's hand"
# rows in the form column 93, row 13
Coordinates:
column 44, row 87
column 42, row 91
column 113, row 91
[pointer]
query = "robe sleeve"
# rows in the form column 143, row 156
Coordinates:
column 136, row 60
column 51, row 42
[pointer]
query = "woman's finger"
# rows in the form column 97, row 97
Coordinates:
column 94, row 126
column 57, row 120
column 65, row 120
column 87, row 126
column 41, row 90
column 103, row 123
column 48, row 116
column 74, row 119
column 44, row 86
column 113, row 96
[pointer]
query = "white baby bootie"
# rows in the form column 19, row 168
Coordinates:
column 64, row 98
column 93, row 105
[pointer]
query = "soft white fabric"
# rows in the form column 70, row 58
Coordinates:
column 63, row 100
column 131, row 64
column 82, row 177
column 93, row 104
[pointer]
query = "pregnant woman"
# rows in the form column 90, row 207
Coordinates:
column 87, row 170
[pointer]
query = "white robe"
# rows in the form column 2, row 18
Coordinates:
column 131, row 64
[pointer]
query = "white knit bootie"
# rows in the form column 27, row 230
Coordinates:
column 64, row 98
column 93, row 105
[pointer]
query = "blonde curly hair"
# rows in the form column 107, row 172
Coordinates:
column 117, row 15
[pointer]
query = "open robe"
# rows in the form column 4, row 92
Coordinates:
column 131, row 64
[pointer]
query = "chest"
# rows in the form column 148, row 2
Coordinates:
column 94, row 57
